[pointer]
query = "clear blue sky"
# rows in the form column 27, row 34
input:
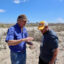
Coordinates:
column 35, row 10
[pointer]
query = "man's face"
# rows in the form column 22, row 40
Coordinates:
column 21, row 23
column 43, row 31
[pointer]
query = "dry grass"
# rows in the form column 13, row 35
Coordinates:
column 32, row 55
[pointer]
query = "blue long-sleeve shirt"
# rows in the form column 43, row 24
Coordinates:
column 14, row 33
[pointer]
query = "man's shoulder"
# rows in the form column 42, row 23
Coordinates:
column 11, row 28
column 53, row 34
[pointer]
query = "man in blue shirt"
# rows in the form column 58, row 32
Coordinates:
column 49, row 45
column 17, row 37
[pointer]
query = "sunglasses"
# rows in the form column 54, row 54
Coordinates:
column 42, row 24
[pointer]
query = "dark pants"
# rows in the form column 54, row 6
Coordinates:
column 42, row 62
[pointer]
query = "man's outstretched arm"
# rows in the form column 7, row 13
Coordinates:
column 16, row 42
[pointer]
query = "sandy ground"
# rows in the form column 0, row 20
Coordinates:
column 32, row 55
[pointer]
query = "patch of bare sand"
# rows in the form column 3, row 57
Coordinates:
column 32, row 55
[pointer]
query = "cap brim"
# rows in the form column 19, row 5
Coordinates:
column 41, row 27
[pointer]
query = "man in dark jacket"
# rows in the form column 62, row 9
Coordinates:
column 49, row 45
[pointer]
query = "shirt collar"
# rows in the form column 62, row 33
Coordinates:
column 18, row 26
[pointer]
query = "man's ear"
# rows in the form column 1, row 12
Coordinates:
column 46, row 26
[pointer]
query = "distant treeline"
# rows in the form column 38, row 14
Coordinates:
column 30, row 24
column 5, row 25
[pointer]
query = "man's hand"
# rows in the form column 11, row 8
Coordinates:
column 51, row 62
column 28, row 39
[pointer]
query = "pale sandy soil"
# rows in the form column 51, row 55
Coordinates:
column 32, row 55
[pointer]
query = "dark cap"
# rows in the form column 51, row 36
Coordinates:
column 22, row 17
